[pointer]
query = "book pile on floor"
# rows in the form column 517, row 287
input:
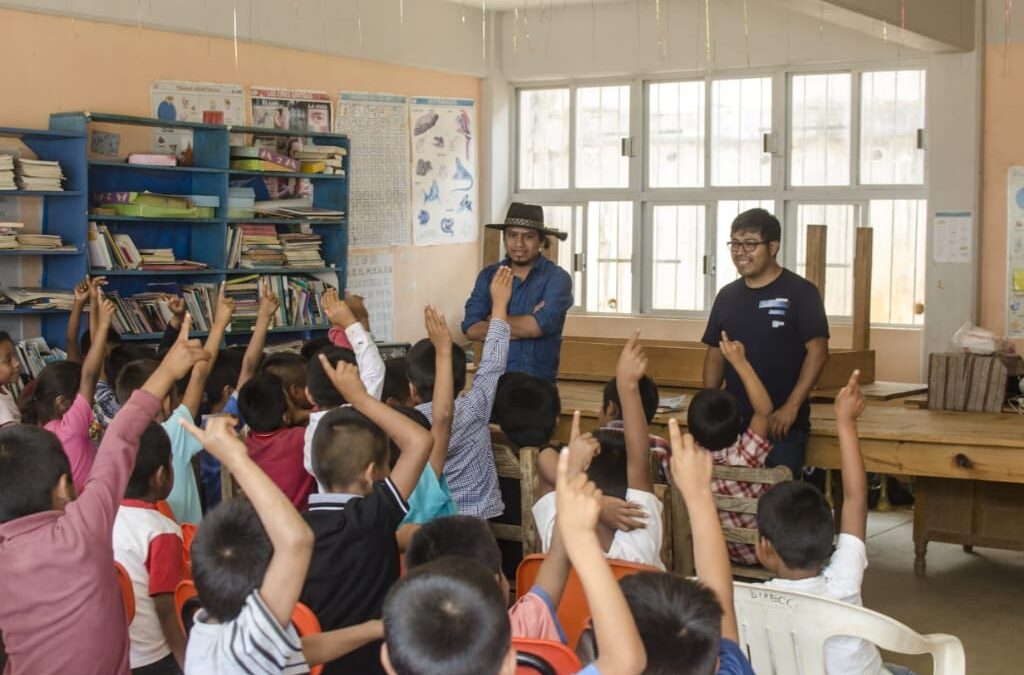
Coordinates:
column 148, row 312
column 34, row 355
column 252, row 245
column 36, row 298
column 7, row 172
column 324, row 159
column 302, row 249
column 38, row 174
column 110, row 251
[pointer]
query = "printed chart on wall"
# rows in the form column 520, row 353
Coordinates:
column 444, row 152
column 377, row 126
column 371, row 276
column 207, row 102
column 1015, row 252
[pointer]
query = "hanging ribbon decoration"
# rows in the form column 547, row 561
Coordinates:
column 746, row 32
column 526, row 21
column 1008, row 34
column 707, row 34
column 658, row 30
column 359, row 20
column 483, row 30
column 903, row 27
column 234, row 29
column 821, row 20
column 138, row 17
column 515, row 30
column 401, row 11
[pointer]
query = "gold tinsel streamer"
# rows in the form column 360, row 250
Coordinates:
column 707, row 33
column 746, row 32
column 1007, row 34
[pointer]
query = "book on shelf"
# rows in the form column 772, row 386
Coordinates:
column 318, row 151
column 36, row 298
column 254, row 245
column 38, row 174
column 153, row 159
column 154, row 205
column 149, row 312
column 260, row 165
column 33, row 355
column 41, row 241
column 300, row 297
column 109, row 251
column 7, row 172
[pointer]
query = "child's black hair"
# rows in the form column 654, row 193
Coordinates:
column 154, row 452
column 527, row 409
column 133, row 375
column 262, row 403
column 230, row 555
column 61, row 378
column 463, row 536
column 420, row 362
column 113, row 339
column 447, row 618
column 121, row 356
column 346, row 442
column 648, row 397
column 679, row 620
column 6, row 337
column 325, row 395
column 311, row 348
column 797, row 520
column 396, row 381
column 223, row 375
column 608, row 468
column 289, row 366
column 32, row 460
column 714, row 419
column 417, row 417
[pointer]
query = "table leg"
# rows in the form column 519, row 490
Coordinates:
column 920, row 527
column 883, row 496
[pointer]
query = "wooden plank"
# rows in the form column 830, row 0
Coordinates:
column 817, row 237
column 528, row 491
column 506, row 532
column 862, row 289
column 743, row 474
column 492, row 246
column 876, row 391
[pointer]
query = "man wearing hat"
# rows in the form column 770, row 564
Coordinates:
column 541, row 294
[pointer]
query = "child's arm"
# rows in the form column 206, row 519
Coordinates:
column 254, row 350
column 618, row 641
column 760, row 401
column 444, row 387
column 288, row 532
column 193, row 397
column 849, row 405
column 414, row 441
column 176, row 305
column 358, row 306
column 691, row 472
column 104, row 311
column 495, row 349
column 631, row 367
column 371, row 365
column 75, row 320
column 169, row 625
column 326, row 647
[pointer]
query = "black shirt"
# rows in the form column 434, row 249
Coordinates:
column 355, row 562
column 774, row 323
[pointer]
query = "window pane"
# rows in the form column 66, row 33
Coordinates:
column 543, row 138
column 897, row 263
column 676, row 138
column 568, row 219
column 892, row 110
column 678, row 257
column 610, row 257
column 741, row 114
column 602, row 121
column 820, row 130
column 725, row 271
column 841, row 222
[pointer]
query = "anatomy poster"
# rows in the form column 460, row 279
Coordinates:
column 444, row 170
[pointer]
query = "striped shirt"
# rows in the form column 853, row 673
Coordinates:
column 253, row 643
column 469, row 468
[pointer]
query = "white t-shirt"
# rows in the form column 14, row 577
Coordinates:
column 8, row 408
column 642, row 545
column 841, row 580
column 252, row 644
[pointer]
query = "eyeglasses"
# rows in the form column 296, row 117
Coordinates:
column 747, row 246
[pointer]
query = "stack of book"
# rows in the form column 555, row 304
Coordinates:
column 245, row 292
column 153, row 205
column 325, row 159
column 300, row 208
column 300, row 296
column 41, row 241
column 302, row 249
column 256, row 158
column 241, row 202
column 9, row 235
column 148, row 312
column 110, row 251
column 34, row 355
column 253, row 245
column 7, row 172
column 36, row 298
column 38, row 174
column 153, row 159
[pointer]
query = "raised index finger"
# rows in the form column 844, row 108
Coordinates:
column 186, row 326
column 574, row 432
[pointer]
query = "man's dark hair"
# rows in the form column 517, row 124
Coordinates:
column 608, row 468
column 224, row 374
column 396, row 381
column 289, row 366
column 311, row 348
column 462, row 536
column 154, row 452
column 345, row 443
column 419, row 361
column 795, row 518
column 60, row 378
column 230, row 555
column 759, row 221
column 113, row 339
column 132, row 377
column 714, row 419
column 649, row 397
column 32, row 460
column 417, row 417
column 527, row 409
column 325, row 395
column 679, row 620
column 262, row 403
column 449, row 618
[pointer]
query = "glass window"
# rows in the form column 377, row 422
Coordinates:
column 725, row 271
column 610, row 257
column 543, row 139
column 676, row 140
column 741, row 114
column 820, row 137
column 677, row 275
column 897, row 263
column 892, row 110
column 602, row 121
column 841, row 220
column 568, row 219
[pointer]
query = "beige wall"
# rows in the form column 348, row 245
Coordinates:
column 53, row 63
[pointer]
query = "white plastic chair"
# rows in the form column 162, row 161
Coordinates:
column 784, row 632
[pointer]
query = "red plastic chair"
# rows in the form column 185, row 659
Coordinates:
column 306, row 623
column 127, row 591
column 573, row 612
column 560, row 659
column 165, row 510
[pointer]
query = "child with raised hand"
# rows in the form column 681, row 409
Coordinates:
column 269, row 304
column 249, row 561
column 62, row 610
column 10, row 370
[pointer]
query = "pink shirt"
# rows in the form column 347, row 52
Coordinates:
column 62, row 610
column 533, row 617
column 73, row 431
column 279, row 454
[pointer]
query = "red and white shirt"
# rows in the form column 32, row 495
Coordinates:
column 149, row 546
column 749, row 450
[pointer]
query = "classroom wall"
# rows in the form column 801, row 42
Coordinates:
column 54, row 63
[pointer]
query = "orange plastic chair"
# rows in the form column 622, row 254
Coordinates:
column 188, row 533
column 306, row 623
column 559, row 659
column 165, row 509
column 186, row 602
column 573, row 612
column 127, row 591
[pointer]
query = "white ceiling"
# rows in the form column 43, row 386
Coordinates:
column 505, row 5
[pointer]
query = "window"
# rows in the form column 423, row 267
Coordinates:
column 892, row 113
column 602, row 121
column 610, row 257
column 741, row 114
column 820, row 143
column 897, row 279
column 676, row 121
column 569, row 219
column 677, row 261
column 544, row 139
column 841, row 223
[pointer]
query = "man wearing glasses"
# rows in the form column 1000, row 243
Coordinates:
column 780, row 319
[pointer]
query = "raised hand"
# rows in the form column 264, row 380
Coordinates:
column 732, row 350
column 437, row 329
column 632, row 361
column 501, row 287
column 225, row 308
column 345, row 378
column 850, row 401
column 96, row 285
column 184, row 353
column 269, row 302
column 176, row 304
column 357, row 304
column 337, row 310
column 82, row 291
column 219, row 437
column 106, row 313
column 578, row 501
column 691, row 466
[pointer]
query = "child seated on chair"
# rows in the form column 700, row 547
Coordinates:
column 62, row 609
column 714, row 420
column 796, row 531
column 355, row 557
column 610, row 416
column 622, row 469
column 149, row 546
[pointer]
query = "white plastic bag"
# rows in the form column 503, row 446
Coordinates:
column 977, row 340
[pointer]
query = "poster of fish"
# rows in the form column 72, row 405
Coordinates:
column 444, row 170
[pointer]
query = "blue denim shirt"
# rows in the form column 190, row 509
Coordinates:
column 547, row 283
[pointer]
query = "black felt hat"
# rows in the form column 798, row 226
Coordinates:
column 527, row 215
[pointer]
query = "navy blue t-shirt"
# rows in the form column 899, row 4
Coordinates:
column 774, row 323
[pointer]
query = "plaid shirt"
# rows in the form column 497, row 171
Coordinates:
column 469, row 468
column 749, row 450
column 660, row 448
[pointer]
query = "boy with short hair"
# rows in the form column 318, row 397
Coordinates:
column 62, row 610
column 149, row 546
